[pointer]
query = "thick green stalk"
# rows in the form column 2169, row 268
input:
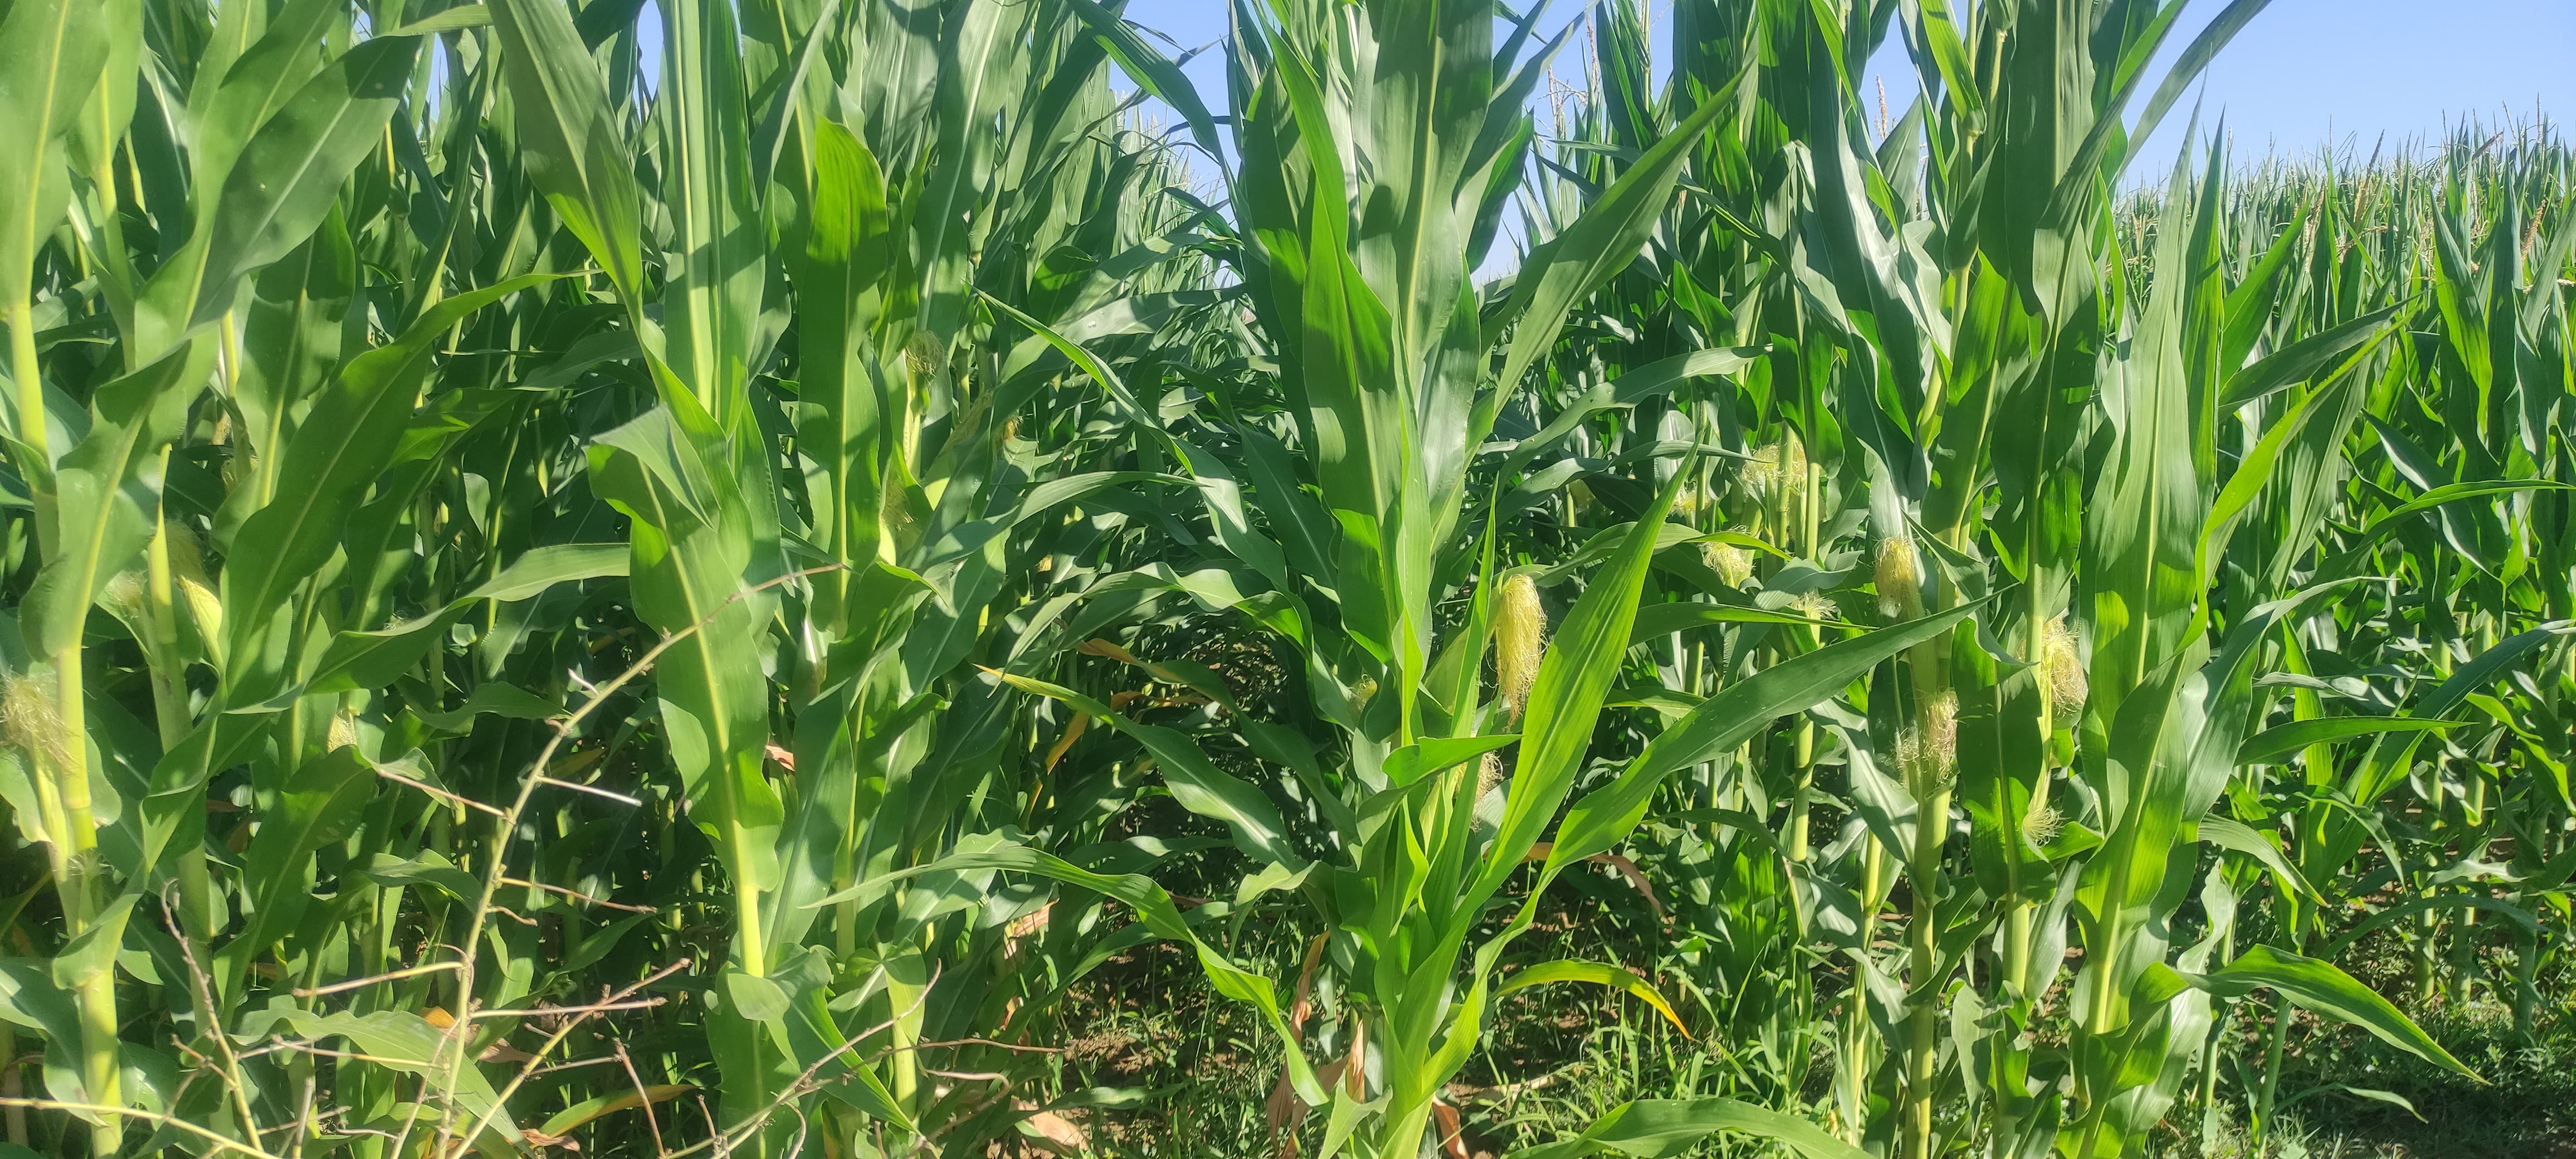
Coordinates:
column 2268, row 1098
column 1799, row 799
column 161, row 626
column 26, row 373
column 1929, row 775
column 2428, row 933
column 904, row 985
column 2464, row 927
column 2526, row 989
column 2098, row 1110
column 13, row 1120
column 1923, row 1046
column 78, row 880
column 1799, row 846
column 1855, row 1041
column 171, row 715
column 2206, row 1097
column 2019, row 911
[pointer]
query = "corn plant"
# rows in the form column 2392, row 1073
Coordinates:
column 688, row 577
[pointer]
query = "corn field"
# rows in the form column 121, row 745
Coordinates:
column 730, row 577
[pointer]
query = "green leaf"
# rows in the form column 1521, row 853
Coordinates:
column 2301, row 360
column 2229, row 833
column 2358, row 548
column 1434, row 754
column 2272, row 744
column 427, row 869
column 2392, row 755
column 290, row 173
column 317, row 805
column 590, row 1109
column 1605, row 817
column 1154, row 909
column 846, row 252
column 373, row 659
column 572, row 146
column 31, row 998
column 1195, row 781
column 1649, row 381
column 108, row 490
column 2375, row 1095
column 94, row 950
column 1596, row 973
column 754, row 997
column 1574, row 677
column 2143, row 518
column 1598, row 244
column 460, row 17
column 2412, row 906
column 2255, row 473
column 339, row 450
column 2323, row 987
column 1089, row 363
column 2194, row 59
column 1725, row 720
column 1655, row 621
column 493, row 699
column 51, row 54
column 1152, row 71
column 711, row 299
column 233, row 99
column 398, row 1040
column 1657, row 1128
column 974, row 51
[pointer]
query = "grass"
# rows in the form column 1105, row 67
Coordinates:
column 2525, row 1106
column 1148, row 1028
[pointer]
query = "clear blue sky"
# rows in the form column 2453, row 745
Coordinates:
column 2303, row 74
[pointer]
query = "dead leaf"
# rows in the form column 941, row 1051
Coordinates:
column 1453, row 1139
column 1054, row 1134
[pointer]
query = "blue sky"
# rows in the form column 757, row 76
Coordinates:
column 2304, row 74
